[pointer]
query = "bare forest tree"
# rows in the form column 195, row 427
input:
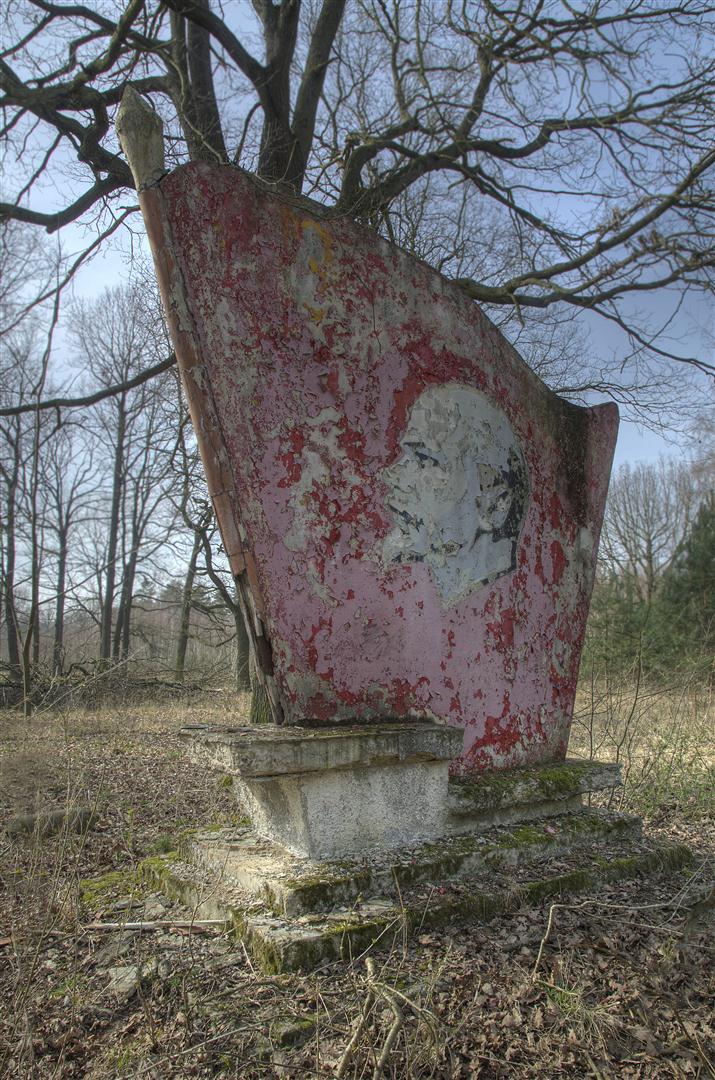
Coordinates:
column 69, row 480
column 92, row 537
column 649, row 510
column 194, row 506
column 552, row 160
column 547, row 157
column 652, row 608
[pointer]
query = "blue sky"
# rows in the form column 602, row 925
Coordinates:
column 111, row 266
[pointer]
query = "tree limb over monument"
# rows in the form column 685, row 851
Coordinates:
column 546, row 159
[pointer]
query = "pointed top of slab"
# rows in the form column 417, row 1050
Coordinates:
column 141, row 134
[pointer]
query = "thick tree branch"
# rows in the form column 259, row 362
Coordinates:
column 202, row 85
column 195, row 12
column 97, row 396
column 53, row 222
column 316, row 66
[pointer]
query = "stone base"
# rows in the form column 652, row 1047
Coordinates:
column 501, row 798
column 327, row 792
column 332, row 792
column 294, row 913
column 358, row 836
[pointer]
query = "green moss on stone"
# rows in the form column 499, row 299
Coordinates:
column 156, row 871
column 540, row 783
column 560, row 781
column 570, row 882
column 95, row 891
column 525, row 835
column 291, row 1031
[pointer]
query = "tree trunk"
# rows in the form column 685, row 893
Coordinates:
column 128, row 604
column 243, row 652
column 35, row 594
column 122, row 630
column 27, row 664
column 105, row 643
column 12, row 629
column 58, row 643
column 186, row 596
column 119, row 621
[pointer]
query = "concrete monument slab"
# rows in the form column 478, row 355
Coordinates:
column 411, row 514
column 411, row 517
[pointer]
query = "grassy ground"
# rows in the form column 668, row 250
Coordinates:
column 624, row 986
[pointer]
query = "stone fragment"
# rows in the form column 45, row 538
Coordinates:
column 48, row 822
column 125, row 979
column 123, row 982
column 153, row 908
column 292, row 1030
column 119, row 945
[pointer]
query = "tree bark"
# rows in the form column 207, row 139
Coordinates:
column 11, row 627
column 243, row 653
column 58, row 643
column 105, row 644
column 185, row 621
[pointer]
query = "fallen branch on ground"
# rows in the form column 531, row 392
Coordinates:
column 158, row 924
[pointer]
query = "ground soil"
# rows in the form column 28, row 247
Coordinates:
column 625, row 985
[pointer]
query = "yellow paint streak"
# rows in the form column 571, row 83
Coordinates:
column 316, row 314
column 327, row 242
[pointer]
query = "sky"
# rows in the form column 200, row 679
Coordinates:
column 695, row 325
column 636, row 443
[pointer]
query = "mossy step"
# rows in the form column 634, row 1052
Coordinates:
column 303, row 943
column 292, row 886
column 537, row 791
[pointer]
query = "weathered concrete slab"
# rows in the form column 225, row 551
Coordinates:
column 333, row 791
column 293, row 942
column 498, row 798
column 292, row 886
column 267, row 750
column 411, row 514
column 350, row 811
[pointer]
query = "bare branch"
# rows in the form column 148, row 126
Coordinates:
column 53, row 222
column 97, row 396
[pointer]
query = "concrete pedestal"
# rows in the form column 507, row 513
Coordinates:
column 296, row 911
column 326, row 792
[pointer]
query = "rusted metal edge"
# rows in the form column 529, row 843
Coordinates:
column 210, row 437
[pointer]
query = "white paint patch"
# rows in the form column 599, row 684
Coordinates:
column 458, row 492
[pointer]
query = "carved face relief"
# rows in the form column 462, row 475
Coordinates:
column 458, row 491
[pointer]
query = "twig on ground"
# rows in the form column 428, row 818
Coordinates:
column 595, row 902
column 394, row 999
column 693, row 1035
column 158, row 924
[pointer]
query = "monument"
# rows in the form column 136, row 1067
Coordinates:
column 410, row 514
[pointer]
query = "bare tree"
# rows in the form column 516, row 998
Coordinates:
column 205, row 560
column 544, row 156
column 114, row 342
column 69, row 479
column 649, row 510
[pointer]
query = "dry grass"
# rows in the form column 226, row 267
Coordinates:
column 663, row 738
column 624, row 985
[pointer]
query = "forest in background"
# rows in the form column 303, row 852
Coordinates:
column 111, row 566
column 554, row 162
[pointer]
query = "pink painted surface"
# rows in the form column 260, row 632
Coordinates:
column 311, row 342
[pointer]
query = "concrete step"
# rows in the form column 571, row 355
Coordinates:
column 529, row 794
column 288, row 943
column 291, row 886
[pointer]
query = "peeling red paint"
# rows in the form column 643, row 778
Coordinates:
column 312, row 342
column 558, row 562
